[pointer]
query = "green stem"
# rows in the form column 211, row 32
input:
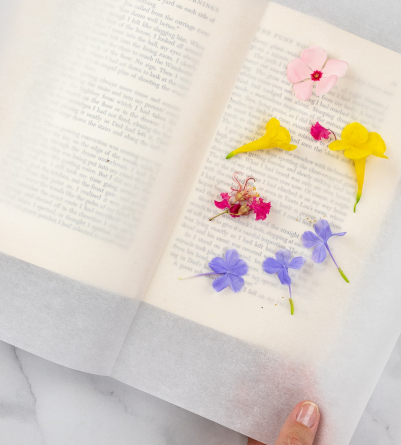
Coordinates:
column 222, row 213
column 343, row 275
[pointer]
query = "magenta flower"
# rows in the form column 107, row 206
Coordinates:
column 242, row 200
column 318, row 132
column 260, row 208
column 311, row 69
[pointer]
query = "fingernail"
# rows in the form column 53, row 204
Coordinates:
column 308, row 414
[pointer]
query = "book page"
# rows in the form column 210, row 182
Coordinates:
column 305, row 185
column 103, row 123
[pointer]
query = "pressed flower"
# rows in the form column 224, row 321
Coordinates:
column 230, row 268
column 358, row 144
column 280, row 266
column 320, row 243
column 312, row 69
column 242, row 200
column 275, row 137
column 318, row 132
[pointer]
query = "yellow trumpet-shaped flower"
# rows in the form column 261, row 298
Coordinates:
column 275, row 137
column 358, row 144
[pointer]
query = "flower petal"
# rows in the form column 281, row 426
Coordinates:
column 218, row 265
column 309, row 239
column 231, row 256
column 270, row 265
column 283, row 256
column 336, row 67
column 303, row 90
column 283, row 276
column 376, row 145
column 339, row 234
column 221, row 283
column 357, row 153
column 318, row 132
column 339, row 145
column 319, row 254
column 241, row 268
column 297, row 262
column 355, row 134
column 272, row 127
column 236, row 282
column 297, row 70
column 323, row 231
column 325, row 84
column 314, row 57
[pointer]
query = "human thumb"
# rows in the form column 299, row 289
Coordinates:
column 301, row 425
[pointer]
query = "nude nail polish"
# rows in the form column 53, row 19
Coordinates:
column 308, row 414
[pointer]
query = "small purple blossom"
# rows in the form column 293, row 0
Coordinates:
column 280, row 265
column 231, row 268
column 320, row 243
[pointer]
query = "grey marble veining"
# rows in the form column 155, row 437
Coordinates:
column 42, row 403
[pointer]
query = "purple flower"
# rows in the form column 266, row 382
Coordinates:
column 320, row 243
column 231, row 268
column 280, row 266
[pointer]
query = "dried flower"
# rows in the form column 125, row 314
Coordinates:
column 358, row 144
column 231, row 268
column 311, row 69
column 320, row 243
column 280, row 266
column 242, row 200
column 318, row 132
column 275, row 137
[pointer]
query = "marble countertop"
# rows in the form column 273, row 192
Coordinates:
column 42, row 403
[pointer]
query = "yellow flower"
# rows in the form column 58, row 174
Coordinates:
column 275, row 137
column 358, row 144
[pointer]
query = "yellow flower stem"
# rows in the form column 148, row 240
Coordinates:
column 360, row 176
column 251, row 146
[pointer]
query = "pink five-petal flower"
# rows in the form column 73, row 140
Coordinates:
column 311, row 69
column 318, row 132
column 223, row 204
column 260, row 208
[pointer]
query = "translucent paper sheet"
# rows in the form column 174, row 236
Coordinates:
column 239, row 360
column 100, row 139
column 246, row 360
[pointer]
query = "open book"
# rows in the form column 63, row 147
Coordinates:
column 116, row 118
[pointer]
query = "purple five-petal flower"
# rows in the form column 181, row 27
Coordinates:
column 280, row 265
column 320, row 243
column 231, row 268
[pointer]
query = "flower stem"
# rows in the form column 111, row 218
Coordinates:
column 222, row 213
column 338, row 268
column 291, row 300
column 201, row 275
column 332, row 132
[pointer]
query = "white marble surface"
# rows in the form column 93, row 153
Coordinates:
column 42, row 403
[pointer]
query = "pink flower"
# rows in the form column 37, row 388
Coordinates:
column 223, row 204
column 242, row 200
column 260, row 208
column 318, row 132
column 312, row 68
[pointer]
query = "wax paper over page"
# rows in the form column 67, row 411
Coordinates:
column 97, row 147
column 329, row 349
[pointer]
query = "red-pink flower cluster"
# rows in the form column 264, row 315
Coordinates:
column 242, row 201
